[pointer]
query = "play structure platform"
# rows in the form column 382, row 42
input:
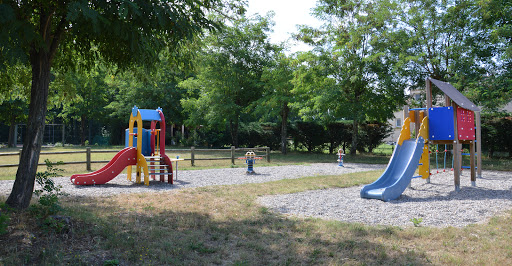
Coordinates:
column 145, row 149
column 455, row 124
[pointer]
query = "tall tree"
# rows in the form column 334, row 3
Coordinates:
column 122, row 31
column 229, row 78
column 350, row 73
column 277, row 94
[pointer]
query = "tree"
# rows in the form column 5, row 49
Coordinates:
column 13, row 100
column 277, row 94
column 229, row 77
column 86, row 97
column 56, row 31
column 350, row 74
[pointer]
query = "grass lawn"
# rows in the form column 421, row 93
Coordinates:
column 225, row 225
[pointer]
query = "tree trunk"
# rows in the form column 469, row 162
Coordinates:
column 10, row 141
column 233, row 125
column 355, row 129
column 82, row 130
column 23, row 187
column 284, row 128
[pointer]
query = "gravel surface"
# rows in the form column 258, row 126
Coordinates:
column 201, row 178
column 437, row 204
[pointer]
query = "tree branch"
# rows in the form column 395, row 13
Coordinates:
column 57, row 37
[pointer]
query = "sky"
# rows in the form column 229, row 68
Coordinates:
column 288, row 14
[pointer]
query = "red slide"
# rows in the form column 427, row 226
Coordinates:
column 122, row 159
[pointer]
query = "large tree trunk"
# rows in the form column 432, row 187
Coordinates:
column 10, row 141
column 234, row 132
column 284, row 128
column 23, row 187
column 355, row 129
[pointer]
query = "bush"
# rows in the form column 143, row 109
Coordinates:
column 338, row 134
column 309, row 135
column 372, row 134
column 258, row 134
column 48, row 193
column 495, row 129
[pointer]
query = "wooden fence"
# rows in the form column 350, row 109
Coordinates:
column 192, row 152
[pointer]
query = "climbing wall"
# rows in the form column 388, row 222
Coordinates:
column 465, row 124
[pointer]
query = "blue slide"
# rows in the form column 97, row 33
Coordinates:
column 398, row 173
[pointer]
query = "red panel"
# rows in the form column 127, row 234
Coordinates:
column 465, row 124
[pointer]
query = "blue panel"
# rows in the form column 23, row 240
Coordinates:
column 146, row 140
column 440, row 123
column 149, row 115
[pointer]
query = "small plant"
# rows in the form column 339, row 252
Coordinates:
column 111, row 263
column 417, row 221
column 4, row 222
column 48, row 192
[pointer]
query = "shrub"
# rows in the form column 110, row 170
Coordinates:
column 372, row 134
column 338, row 134
column 309, row 135
column 48, row 193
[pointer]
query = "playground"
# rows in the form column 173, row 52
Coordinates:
column 314, row 213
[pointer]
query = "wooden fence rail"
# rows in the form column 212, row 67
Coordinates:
column 192, row 152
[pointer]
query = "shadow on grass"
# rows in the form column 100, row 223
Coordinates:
column 148, row 236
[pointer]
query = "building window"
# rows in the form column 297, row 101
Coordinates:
column 398, row 122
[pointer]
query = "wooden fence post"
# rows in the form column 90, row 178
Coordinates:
column 233, row 155
column 192, row 155
column 267, row 149
column 88, row 158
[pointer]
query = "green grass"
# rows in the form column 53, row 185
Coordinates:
column 226, row 225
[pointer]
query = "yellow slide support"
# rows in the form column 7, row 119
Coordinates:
column 405, row 133
column 142, row 165
column 424, row 167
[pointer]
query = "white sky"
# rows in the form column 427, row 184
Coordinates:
column 288, row 14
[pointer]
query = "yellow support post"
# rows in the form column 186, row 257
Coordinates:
column 423, row 168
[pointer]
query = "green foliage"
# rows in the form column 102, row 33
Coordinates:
column 4, row 219
column 417, row 221
column 260, row 135
column 338, row 134
column 229, row 77
column 494, row 128
column 309, row 135
column 48, row 193
column 372, row 135
column 113, row 262
column 350, row 73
